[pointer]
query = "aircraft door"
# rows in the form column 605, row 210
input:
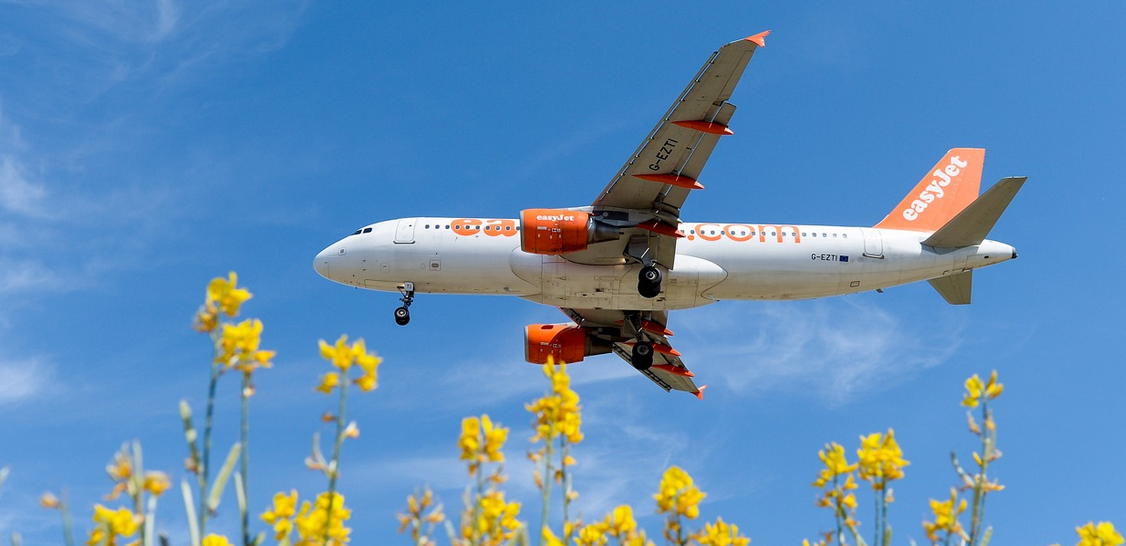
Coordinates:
column 404, row 233
column 873, row 243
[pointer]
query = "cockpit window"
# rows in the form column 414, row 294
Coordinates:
column 367, row 230
column 357, row 232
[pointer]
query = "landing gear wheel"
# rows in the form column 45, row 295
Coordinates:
column 402, row 316
column 642, row 355
column 649, row 282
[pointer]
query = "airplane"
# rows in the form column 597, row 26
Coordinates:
column 618, row 266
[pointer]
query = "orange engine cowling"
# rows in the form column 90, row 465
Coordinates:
column 563, row 342
column 554, row 231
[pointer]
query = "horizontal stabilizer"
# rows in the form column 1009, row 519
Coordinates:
column 972, row 225
column 955, row 289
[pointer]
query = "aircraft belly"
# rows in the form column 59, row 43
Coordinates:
column 567, row 284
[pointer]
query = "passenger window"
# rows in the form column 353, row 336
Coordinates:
column 834, row 235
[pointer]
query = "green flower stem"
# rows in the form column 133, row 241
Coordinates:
column 244, row 468
column 205, row 467
column 334, row 464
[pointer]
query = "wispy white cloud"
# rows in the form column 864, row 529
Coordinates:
column 22, row 380
column 833, row 350
column 17, row 194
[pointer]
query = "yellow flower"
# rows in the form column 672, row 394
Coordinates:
column 311, row 522
column 496, row 519
column 833, row 457
column 678, row 495
column 722, row 534
column 592, row 535
column 549, row 538
column 157, row 483
column 977, row 392
column 620, row 522
column 946, row 517
column 329, row 382
column 226, row 295
column 111, row 524
column 1103, row 534
column 557, row 413
column 279, row 516
column 49, row 500
column 215, row 540
column 481, row 441
column 880, row 459
column 340, row 354
column 238, row 346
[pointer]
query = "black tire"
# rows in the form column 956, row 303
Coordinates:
column 650, row 275
column 402, row 316
column 642, row 357
column 649, row 282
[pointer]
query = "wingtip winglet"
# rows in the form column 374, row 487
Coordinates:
column 759, row 39
column 700, row 392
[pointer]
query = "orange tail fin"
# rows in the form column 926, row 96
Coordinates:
column 950, row 186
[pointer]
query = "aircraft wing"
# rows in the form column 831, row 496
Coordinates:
column 622, row 327
column 658, row 177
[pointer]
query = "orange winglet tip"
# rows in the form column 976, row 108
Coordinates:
column 656, row 328
column 668, row 368
column 661, row 228
column 700, row 393
column 672, row 180
column 759, row 39
column 710, row 127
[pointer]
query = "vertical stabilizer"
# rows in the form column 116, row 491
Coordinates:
column 949, row 187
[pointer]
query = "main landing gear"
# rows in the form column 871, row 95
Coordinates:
column 649, row 282
column 403, row 314
column 642, row 357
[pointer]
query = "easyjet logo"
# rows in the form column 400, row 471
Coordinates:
column 492, row 228
column 935, row 189
column 556, row 217
column 741, row 233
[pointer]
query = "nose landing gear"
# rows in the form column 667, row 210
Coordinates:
column 403, row 314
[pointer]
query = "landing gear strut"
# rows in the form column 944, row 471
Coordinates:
column 642, row 355
column 649, row 282
column 403, row 314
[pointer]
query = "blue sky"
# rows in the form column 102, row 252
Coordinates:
column 146, row 147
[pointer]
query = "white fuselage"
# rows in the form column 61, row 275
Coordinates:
column 714, row 261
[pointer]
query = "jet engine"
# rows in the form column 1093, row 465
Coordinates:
column 554, row 231
column 563, row 342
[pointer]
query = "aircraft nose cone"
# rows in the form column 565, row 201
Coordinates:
column 1014, row 253
column 320, row 263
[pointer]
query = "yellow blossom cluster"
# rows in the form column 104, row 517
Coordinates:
column 122, row 472
column 215, row 540
column 223, row 296
column 618, row 524
column 880, row 459
column 677, row 495
column 946, row 518
column 977, row 392
column 833, row 457
column 494, row 522
column 343, row 357
column 421, row 511
column 238, row 347
column 481, row 441
column 113, row 524
column 838, row 494
column 721, row 534
column 281, row 515
column 1102, row 534
column 313, row 523
column 558, row 413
